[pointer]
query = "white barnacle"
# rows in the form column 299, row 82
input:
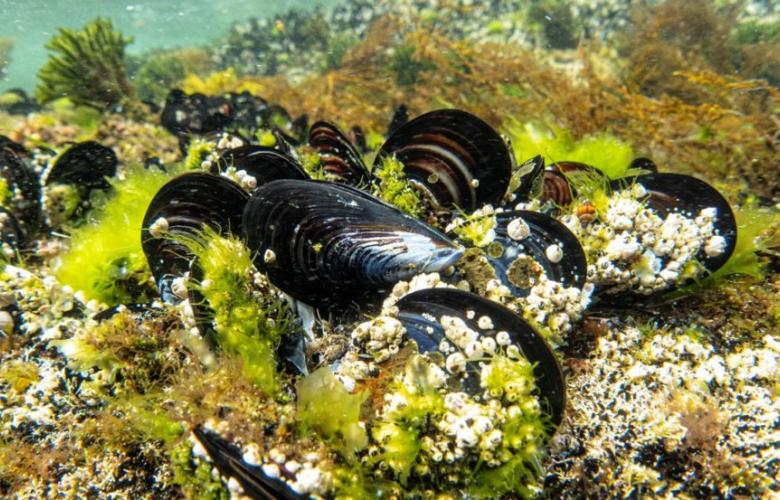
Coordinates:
column 475, row 183
column 455, row 363
column 554, row 253
column 158, row 227
column 269, row 257
column 485, row 322
column 517, row 229
column 502, row 338
column 715, row 246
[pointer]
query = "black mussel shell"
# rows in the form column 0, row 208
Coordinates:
column 263, row 163
column 358, row 138
column 12, row 147
column 420, row 311
column 327, row 244
column 228, row 459
column 528, row 178
column 688, row 195
column 188, row 204
column 24, row 189
column 400, row 117
column 337, row 155
column 248, row 112
column 453, row 157
column 185, row 114
column 10, row 231
column 533, row 233
column 86, row 165
column 643, row 163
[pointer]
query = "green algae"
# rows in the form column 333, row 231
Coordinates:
column 604, row 151
column 87, row 65
column 197, row 153
column 19, row 375
column 477, row 229
column 195, row 480
column 395, row 189
column 245, row 325
column 327, row 408
column 105, row 260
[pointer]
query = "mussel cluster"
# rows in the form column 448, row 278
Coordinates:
column 464, row 301
column 42, row 189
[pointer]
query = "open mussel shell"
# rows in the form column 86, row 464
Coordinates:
column 86, row 165
column 400, row 117
column 421, row 311
column 338, row 156
column 228, row 459
column 326, row 244
column 525, row 239
column 454, row 158
column 688, row 195
column 181, row 209
column 263, row 163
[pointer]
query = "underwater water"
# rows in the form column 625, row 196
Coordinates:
column 402, row 249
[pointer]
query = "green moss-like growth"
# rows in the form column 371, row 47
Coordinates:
column 245, row 324
column 514, row 381
column 604, row 151
column 88, row 66
column 197, row 153
column 158, row 73
column 399, row 430
column 5, row 193
column 19, row 375
column 312, row 165
column 394, row 188
column 6, row 46
column 195, row 481
column 105, row 259
column 477, row 229
column 326, row 407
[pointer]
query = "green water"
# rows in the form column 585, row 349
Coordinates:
column 154, row 24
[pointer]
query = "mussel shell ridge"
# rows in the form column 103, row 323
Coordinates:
column 326, row 243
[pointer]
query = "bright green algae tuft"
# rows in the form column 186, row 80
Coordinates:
column 105, row 260
column 245, row 324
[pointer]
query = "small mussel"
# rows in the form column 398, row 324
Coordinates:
column 86, row 164
column 435, row 319
column 181, row 209
column 326, row 243
column 454, row 158
column 338, row 156
column 530, row 244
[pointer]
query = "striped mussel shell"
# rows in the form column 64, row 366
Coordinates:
column 454, row 158
column 327, row 244
column 528, row 243
column 668, row 193
column 421, row 313
column 556, row 186
column 338, row 156
column 85, row 164
column 181, row 209
column 263, row 163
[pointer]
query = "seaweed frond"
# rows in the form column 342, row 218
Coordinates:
column 87, row 66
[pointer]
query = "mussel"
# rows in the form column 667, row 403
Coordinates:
column 421, row 313
column 86, row 165
column 338, row 156
column 181, row 209
column 679, row 193
column 454, row 158
column 326, row 243
column 22, row 190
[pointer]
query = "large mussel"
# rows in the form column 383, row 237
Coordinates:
column 262, row 164
column 181, row 209
column 421, row 313
column 453, row 157
column 325, row 243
